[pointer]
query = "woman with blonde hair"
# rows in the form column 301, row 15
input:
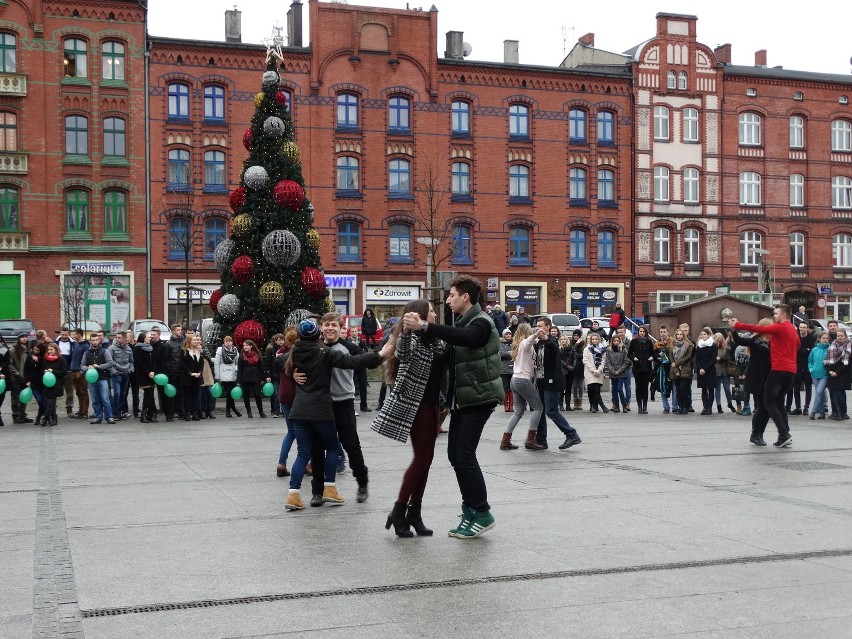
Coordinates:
column 192, row 366
column 681, row 370
column 593, row 372
column 523, row 389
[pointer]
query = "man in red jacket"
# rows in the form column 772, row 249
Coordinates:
column 783, row 346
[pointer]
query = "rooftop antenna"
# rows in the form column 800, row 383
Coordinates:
column 565, row 39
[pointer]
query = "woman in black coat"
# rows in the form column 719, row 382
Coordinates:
column 641, row 353
column 706, row 352
column 755, row 375
column 53, row 362
column 33, row 372
column 191, row 367
column 143, row 366
column 249, row 375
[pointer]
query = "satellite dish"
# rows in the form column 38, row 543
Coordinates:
column 466, row 49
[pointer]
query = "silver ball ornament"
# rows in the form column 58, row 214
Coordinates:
column 270, row 78
column 213, row 336
column 229, row 306
column 222, row 255
column 273, row 127
column 281, row 248
column 296, row 316
column 256, row 177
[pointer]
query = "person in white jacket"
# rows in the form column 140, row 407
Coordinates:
column 593, row 372
column 523, row 389
column 225, row 365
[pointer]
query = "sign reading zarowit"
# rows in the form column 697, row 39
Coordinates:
column 391, row 293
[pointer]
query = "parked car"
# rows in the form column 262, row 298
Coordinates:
column 11, row 328
column 586, row 325
column 139, row 325
column 352, row 328
column 88, row 327
column 822, row 325
column 565, row 322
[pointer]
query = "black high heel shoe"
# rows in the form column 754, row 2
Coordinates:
column 397, row 519
column 413, row 519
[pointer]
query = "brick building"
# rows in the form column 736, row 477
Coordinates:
column 72, row 173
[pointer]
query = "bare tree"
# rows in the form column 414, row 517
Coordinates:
column 74, row 301
column 184, row 236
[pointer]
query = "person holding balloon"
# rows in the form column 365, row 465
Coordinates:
column 98, row 364
column 5, row 371
column 192, row 365
column 33, row 371
column 225, row 368
column 55, row 370
column 143, row 369
column 249, row 373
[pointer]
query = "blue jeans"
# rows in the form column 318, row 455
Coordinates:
column 551, row 409
column 276, row 406
column 289, row 438
column 618, row 392
column 819, row 394
column 628, row 386
column 38, row 395
column 723, row 381
column 119, row 391
column 326, row 432
column 99, row 394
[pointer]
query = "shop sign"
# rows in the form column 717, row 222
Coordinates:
column 576, row 295
column 491, row 283
column 200, row 291
column 512, row 294
column 390, row 294
column 824, row 289
column 523, row 294
column 106, row 267
column 609, row 295
column 341, row 281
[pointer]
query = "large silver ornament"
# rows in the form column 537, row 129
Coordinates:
column 270, row 78
column 229, row 306
column 281, row 248
column 256, row 177
column 296, row 316
column 273, row 127
column 213, row 337
column 222, row 255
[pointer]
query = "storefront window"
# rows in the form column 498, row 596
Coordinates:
column 99, row 298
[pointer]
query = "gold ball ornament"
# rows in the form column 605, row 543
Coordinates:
column 241, row 224
column 313, row 239
column 257, row 100
column 291, row 151
column 271, row 294
column 329, row 305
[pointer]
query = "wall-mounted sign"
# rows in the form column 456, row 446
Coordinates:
column 200, row 291
column 492, row 282
column 341, row 281
column 112, row 267
column 391, row 293
column 609, row 295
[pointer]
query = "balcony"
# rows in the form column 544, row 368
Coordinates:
column 14, row 241
column 11, row 162
column 14, row 84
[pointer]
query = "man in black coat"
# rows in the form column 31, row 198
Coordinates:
column 160, row 353
column 551, row 383
column 807, row 340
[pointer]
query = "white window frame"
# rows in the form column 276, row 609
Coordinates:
column 690, row 125
column 797, row 132
column 691, row 246
column 662, row 184
column 662, row 245
column 841, row 192
column 750, row 123
column 682, row 81
column 841, row 135
column 749, row 241
column 750, row 188
column 797, row 249
column 691, row 185
column 797, row 190
column 841, row 250
column 662, row 126
column 671, row 79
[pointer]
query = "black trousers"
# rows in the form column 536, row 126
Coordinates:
column 803, row 376
column 466, row 426
column 360, row 376
column 775, row 390
column 347, row 433
column 643, row 379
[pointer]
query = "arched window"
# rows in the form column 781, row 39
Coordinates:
column 519, row 245
column 399, row 114
column 77, row 211
column 606, row 186
column 461, row 179
column 462, row 253
column 180, row 238
column 691, row 247
column 399, row 178
column 214, row 170
column 691, row 183
column 178, row 101
column 461, row 118
column 115, row 213
column 606, row 128
column 662, row 245
column 8, row 53
column 347, row 111
column 519, row 182
column 8, row 209
column 671, row 80
column 751, row 242
column 76, row 58
column 215, row 230
column 8, row 131
column 841, row 192
column 115, row 145
column 661, row 123
column 841, row 250
column 348, row 242
column 682, row 81
column 519, row 121
column 690, row 125
column 399, row 248
column 579, row 250
column 214, row 103
column 178, row 169
column 348, row 174
column 797, row 250
column 76, row 135
column 661, row 184
column 112, row 58
column 577, row 126
column 577, row 186
column 841, row 135
column 750, row 188
column 749, row 129
column 797, row 190
column 606, row 248
column 797, row 132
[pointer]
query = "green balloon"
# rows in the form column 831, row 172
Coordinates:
column 48, row 379
column 216, row 390
column 169, row 390
column 2, row 385
column 26, row 395
column 161, row 379
column 268, row 389
column 236, row 392
column 92, row 375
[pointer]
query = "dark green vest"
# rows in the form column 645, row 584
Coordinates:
column 477, row 370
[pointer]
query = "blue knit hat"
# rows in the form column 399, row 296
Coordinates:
column 308, row 329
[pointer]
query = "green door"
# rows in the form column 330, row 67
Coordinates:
column 10, row 296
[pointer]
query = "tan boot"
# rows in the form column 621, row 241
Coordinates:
column 282, row 471
column 506, row 443
column 294, row 501
column 308, row 470
column 578, row 404
column 627, row 408
column 531, row 443
column 331, row 496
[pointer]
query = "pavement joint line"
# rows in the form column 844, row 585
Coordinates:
column 454, row 583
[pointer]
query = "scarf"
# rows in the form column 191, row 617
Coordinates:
column 51, row 358
column 229, row 355
column 251, row 357
column 704, row 343
column 598, row 353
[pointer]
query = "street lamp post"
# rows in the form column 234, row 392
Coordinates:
column 760, row 256
column 430, row 243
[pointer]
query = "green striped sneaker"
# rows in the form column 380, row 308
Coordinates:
column 481, row 522
column 464, row 518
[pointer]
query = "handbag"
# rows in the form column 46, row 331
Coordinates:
column 739, row 392
column 207, row 374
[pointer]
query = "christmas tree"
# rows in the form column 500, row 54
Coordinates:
column 270, row 266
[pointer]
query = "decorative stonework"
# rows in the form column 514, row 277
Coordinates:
column 712, row 132
column 644, row 131
column 644, row 186
column 644, row 242
column 712, row 188
column 712, row 248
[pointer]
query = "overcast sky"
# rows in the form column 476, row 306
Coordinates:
column 797, row 35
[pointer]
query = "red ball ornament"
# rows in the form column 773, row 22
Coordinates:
column 281, row 98
column 313, row 281
column 237, row 198
column 215, row 296
column 250, row 329
column 242, row 268
column 247, row 139
column 289, row 194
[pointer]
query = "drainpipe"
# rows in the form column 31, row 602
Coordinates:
column 147, row 57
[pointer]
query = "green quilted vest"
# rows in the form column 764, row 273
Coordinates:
column 478, row 380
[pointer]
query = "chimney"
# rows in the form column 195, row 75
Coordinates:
column 294, row 24
column 723, row 53
column 760, row 58
column 233, row 25
column 587, row 40
column 455, row 45
column 510, row 51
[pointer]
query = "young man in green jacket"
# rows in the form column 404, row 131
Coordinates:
column 475, row 389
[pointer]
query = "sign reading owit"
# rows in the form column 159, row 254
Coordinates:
column 391, row 293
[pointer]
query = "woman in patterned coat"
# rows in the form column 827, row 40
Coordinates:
column 411, row 409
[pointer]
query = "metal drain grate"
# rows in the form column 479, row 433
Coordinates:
column 451, row 583
column 23, row 490
column 808, row 465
